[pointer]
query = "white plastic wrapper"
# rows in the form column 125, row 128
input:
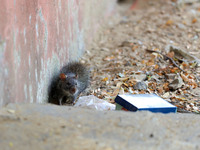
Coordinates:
column 93, row 102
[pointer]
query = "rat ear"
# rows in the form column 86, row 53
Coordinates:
column 73, row 90
column 62, row 76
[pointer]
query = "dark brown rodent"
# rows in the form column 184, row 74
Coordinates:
column 68, row 84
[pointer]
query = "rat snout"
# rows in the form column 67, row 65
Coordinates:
column 73, row 90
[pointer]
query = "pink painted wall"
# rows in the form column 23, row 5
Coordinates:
column 37, row 37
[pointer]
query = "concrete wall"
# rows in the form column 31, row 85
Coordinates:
column 37, row 37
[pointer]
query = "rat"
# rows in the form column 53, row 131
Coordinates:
column 66, row 86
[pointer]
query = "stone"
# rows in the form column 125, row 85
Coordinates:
column 176, row 83
column 140, row 86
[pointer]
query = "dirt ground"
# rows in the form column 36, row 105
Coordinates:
column 118, row 60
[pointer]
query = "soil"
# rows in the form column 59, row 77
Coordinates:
column 118, row 57
column 118, row 60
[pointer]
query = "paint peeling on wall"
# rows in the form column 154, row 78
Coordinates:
column 37, row 37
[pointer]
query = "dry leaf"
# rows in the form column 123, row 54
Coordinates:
column 150, row 63
column 174, row 70
column 166, row 95
column 191, row 77
column 152, row 85
column 134, row 47
column 166, row 86
column 184, row 64
column 192, row 83
column 156, row 66
column 125, row 84
column 126, row 90
column 116, row 92
column 123, row 79
column 160, row 90
column 105, row 79
column 159, row 73
column 185, row 91
column 185, row 79
column 170, row 54
column 194, row 20
column 143, row 62
column 169, row 22
column 142, row 92
column 133, row 81
column 109, row 58
column 130, row 84
column 119, row 84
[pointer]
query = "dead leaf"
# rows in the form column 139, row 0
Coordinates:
column 191, row 77
column 166, row 86
column 185, row 79
column 125, row 84
column 143, row 61
column 116, row 92
column 123, row 79
column 169, row 22
column 109, row 58
column 159, row 73
column 150, row 63
column 192, row 83
column 174, row 70
column 160, row 90
column 142, row 92
column 170, row 54
column 156, row 66
column 166, row 95
column 105, row 79
column 119, row 84
column 185, row 64
column 194, row 20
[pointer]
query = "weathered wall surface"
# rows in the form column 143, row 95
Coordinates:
column 39, row 36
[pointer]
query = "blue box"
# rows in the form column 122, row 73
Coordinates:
column 139, row 102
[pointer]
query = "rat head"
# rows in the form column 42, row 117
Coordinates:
column 68, row 83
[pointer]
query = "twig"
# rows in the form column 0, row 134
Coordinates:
column 167, row 57
column 195, row 95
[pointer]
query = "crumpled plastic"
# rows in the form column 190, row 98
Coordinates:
column 93, row 102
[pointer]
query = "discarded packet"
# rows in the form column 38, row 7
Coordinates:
column 148, row 102
column 93, row 102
